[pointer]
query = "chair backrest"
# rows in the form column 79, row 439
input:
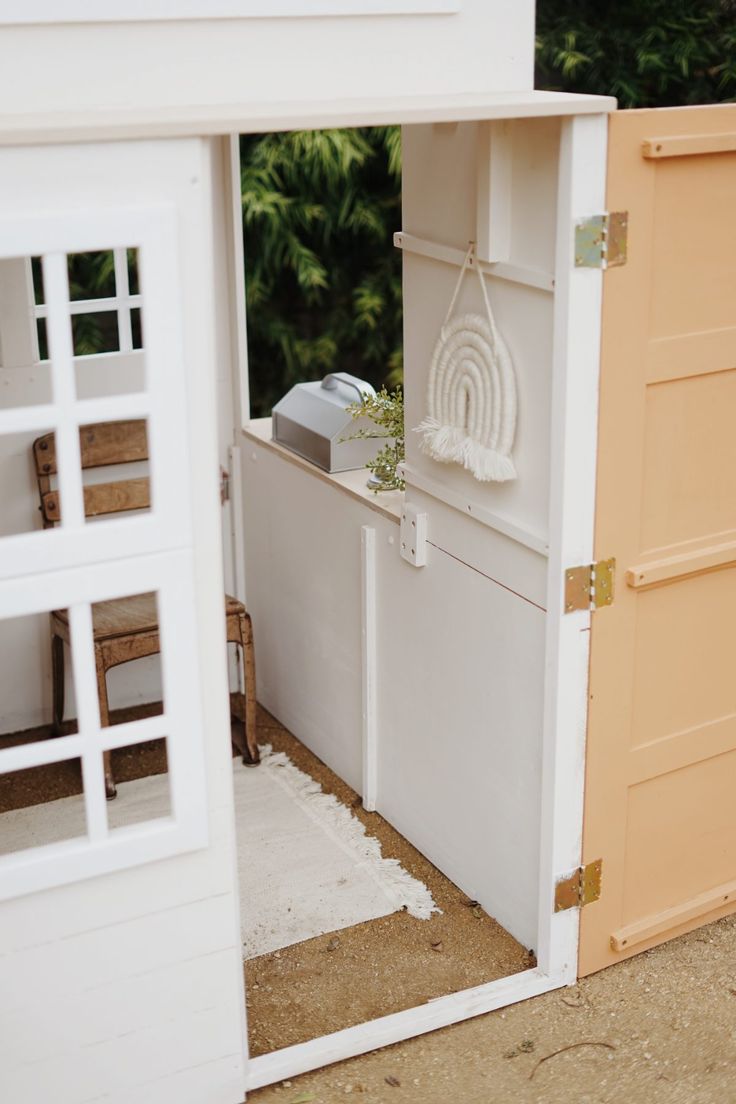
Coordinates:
column 103, row 445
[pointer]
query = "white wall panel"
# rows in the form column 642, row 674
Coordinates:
column 487, row 46
column 461, row 669
column 439, row 204
column 303, row 559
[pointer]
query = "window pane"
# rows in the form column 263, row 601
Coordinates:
column 136, row 324
column 95, row 333
column 43, row 343
column 37, row 272
column 91, row 275
column 38, row 804
column 115, row 469
column 134, row 690
column 25, row 478
column 133, row 285
column 142, row 779
column 24, row 381
column 41, row 805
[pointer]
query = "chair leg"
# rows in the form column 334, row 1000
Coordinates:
column 110, row 789
column 57, row 682
column 251, row 755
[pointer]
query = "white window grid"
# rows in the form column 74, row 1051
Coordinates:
column 122, row 302
column 76, row 565
column 161, row 401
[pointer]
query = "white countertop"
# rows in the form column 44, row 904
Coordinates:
column 353, row 483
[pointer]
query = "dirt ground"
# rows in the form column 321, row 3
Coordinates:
column 383, row 966
column 657, row 1029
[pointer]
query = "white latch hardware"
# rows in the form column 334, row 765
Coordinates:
column 413, row 535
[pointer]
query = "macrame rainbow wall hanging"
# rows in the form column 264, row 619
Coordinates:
column 471, row 397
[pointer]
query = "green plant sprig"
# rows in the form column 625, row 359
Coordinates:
column 386, row 411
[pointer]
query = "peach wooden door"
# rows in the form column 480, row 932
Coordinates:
column 660, row 808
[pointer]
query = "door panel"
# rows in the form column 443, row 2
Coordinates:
column 661, row 759
column 87, row 560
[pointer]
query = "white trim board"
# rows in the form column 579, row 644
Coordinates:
column 133, row 11
column 517, row 274
column 522, row 534
column 261, row 117
column 573, row 456
column 408, row 1024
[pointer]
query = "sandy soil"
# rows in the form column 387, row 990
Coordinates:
column 657, row 1029
column 372, row 969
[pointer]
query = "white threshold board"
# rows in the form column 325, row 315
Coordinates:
column 399, row 1026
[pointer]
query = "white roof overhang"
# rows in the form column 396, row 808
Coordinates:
column 90, row 125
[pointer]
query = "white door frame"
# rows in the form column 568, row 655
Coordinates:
column 240, row 382
column 577, row 323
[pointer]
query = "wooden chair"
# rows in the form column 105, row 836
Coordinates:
column 126, row 628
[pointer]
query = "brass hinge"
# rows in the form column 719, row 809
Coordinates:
column 589, row 586
column 601, row 241
column 581, row 888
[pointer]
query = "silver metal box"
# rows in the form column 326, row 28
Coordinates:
column 312, row 420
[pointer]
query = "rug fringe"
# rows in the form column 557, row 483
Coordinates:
column 400, row 888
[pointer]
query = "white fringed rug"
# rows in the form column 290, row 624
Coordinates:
column 305, row 864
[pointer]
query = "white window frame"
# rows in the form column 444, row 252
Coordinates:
column 122, row 302
column 168, row 524
column 112, row 11
column 103, row 850
column 77, row 563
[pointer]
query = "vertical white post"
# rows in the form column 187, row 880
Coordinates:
column 368, row 638
column 493, row 210
column 236, row 501
column 576, row 369
column 239, row 351
column 61, row 351
column 88, row 718
column 122, row 294
column 237, row 262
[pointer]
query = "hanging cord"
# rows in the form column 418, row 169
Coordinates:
column 458, row 285
column 469, row 257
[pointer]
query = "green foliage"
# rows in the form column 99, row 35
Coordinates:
column 647, row 53
column 323, row 281
column 320, row 207
column 386, row 411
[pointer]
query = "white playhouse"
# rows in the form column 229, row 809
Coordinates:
column 431, row 648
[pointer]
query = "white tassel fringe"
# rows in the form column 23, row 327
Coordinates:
column 450, row 444
column 401, row 889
